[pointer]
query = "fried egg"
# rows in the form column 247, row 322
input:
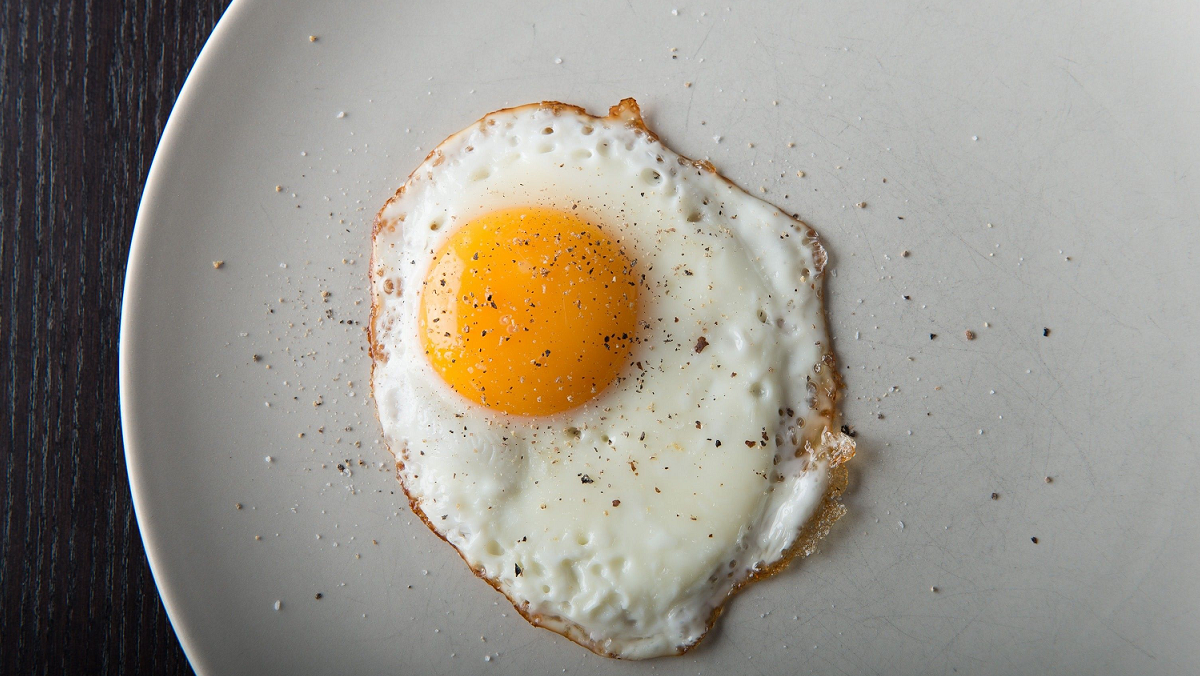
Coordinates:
column 605, row 375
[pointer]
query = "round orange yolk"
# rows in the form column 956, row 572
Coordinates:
column 529, row 311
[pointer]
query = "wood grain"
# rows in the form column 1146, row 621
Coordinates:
column 85, row 89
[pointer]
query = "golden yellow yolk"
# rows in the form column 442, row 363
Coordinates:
column 529, row 311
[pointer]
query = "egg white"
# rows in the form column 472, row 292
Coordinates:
column 626, row 522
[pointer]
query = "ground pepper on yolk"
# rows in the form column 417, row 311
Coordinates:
column 529, row 311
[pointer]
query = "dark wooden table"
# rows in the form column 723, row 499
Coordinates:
column 85, row 89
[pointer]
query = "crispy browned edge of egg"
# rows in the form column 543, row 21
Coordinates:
column 828, row 388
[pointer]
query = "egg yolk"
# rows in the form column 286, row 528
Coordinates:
column 529, row 311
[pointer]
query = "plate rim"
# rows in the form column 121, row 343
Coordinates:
column 153, row 187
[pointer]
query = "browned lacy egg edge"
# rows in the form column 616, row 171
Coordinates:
column 821, row 433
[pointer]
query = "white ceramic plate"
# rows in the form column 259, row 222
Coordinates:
column 1042, row 168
